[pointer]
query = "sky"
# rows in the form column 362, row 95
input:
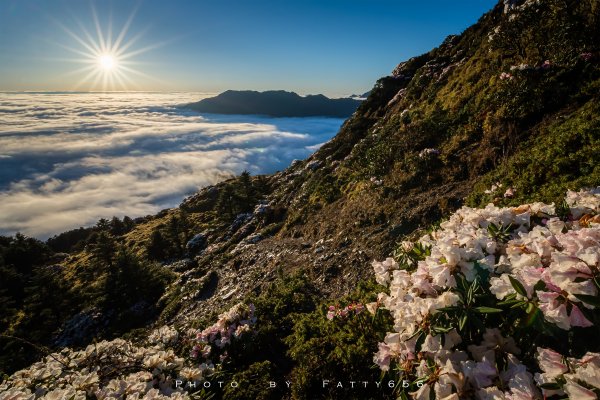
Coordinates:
column 335, row 47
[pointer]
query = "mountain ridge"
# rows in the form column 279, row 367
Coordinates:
column 275, row 103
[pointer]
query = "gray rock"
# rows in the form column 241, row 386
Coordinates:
column 240, row 220
column 81, row 327
column 197, row 243
column 313, row 165
column 253, row 239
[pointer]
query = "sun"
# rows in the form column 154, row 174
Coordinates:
column 107, row 62
column 108, row 59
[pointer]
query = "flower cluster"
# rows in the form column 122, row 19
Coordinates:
column 122, row 369
column 231, row 325
column 561, row 375
column 457, row 284
column 164, row 335
column 342, row 313
column 495, row 188
column 108, row 369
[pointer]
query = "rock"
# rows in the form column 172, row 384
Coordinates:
column 313, row 165
column 181, row 265
column 81, row 328
column 228, row 295
column 197, row 243
column 261, row 208
column 253, row 239
column 240, row 220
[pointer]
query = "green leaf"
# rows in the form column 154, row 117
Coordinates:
column 518, row 286
column 488, row 310
column 420, row 341
column 508, row 302
column 441, row 329
column 533, row 317
column 530, row 308
column 446, row 309
column 550, row 386
column 462, row 322
column 518, row 304
column 415, row 334
column 591, row 300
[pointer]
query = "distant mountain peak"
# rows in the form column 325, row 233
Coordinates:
column 276, row 103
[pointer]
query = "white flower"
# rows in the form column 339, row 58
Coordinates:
column 382, row 270
column 16, row 394
column 501, row 286
column 165, row 335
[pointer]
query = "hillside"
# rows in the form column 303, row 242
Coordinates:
column 506, row 112
column 276, row 103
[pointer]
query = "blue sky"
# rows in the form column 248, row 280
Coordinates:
column 336, row 47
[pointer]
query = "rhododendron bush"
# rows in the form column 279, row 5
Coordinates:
column 119, row 368
column 498, row 303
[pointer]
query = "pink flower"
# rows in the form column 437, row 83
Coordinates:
column 383, row 357
column 550, row 362
column 481, row 374
column 586, row 56
column 576, row 391
column 578, row 319
column 554, row 311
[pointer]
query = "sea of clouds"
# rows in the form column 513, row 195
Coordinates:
column 68, row 159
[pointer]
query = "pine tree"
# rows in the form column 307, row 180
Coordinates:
column 157, row 247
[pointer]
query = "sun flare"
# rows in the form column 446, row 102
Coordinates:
column 108, row 58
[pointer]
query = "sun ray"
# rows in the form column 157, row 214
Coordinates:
column 136, row 72
column 109, row 46
column 93, row 74
column 88, row 36
column 98, row 29
column 119, row 79
column 125, row 28
column 77, row 38
column 97, row 78
column 87, row 56
column 120, row 51
column 78, row 71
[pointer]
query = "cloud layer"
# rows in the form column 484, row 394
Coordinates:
column 67, row 160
